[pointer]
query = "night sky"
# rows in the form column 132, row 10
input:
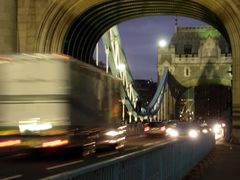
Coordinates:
column 139, row 39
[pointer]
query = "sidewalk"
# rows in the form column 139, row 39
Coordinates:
column 221, row 164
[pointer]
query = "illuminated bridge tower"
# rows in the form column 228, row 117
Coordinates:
column 196, row 57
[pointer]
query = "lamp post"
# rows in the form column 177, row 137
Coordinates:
column 121, row 68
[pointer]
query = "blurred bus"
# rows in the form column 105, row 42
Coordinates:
column 53, row 100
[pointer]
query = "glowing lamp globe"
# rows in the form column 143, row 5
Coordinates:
column 162, row 43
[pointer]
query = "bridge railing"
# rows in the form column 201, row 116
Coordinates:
column 172, row 161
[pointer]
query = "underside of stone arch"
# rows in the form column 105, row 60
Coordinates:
column 70, row 28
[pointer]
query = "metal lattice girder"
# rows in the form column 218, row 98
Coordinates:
column 115, row 58
column 157, row 99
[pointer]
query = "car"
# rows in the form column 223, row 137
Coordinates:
column 182, row 128
column 112, row 139
column 155, row 129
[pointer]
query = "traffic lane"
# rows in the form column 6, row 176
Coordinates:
column 25, row 166
column 145, row 141
column 35, row 165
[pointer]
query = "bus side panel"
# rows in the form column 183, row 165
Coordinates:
column 96, row 98
column 34, row 89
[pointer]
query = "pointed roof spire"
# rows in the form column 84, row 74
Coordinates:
column 176, row 23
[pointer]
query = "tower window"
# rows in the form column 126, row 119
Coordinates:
column 187, row 72
column 188, row 49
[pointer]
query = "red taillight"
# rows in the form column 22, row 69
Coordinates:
column 146, row 129
column 163, row 128
column 55, row 143
column 10, row 143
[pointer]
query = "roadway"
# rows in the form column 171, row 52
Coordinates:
column 39, row 165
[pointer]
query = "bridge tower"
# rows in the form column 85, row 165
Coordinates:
column 195, row 56
column 165, row 57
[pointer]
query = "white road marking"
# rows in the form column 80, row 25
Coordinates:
column 12, row 177
column 148, row 144
column 107, row 154
column 63, row 165
column 131, row 148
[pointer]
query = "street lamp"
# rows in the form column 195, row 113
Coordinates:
column 121, row 67
column 162, row 43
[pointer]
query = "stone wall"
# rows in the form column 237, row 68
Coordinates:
column 30, row 15
column 8, row 27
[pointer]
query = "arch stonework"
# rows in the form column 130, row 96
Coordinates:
column 42, row 26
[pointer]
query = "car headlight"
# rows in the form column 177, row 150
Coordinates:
column 173, row 133
column 112, row 133
column 217, row 128
column 193, row 133
column 168, row 130
column 205, row 131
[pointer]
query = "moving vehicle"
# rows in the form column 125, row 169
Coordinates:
column 53, row 100
column 177, row 128
column 155, row 129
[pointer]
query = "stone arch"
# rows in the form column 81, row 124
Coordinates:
column 94, row 17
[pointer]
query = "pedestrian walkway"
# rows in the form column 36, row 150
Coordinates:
column 221, row 164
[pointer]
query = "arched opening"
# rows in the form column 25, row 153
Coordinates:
column 205, row 102
column 93, row 18
column 212, row 102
